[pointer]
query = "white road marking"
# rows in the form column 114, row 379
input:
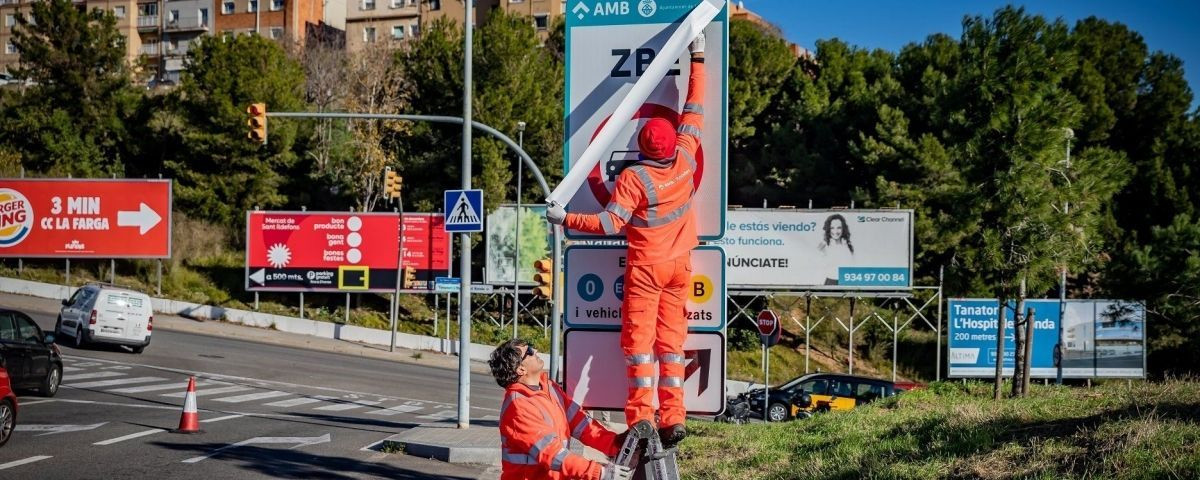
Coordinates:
column 218, row 419
column 85, row 376
column 394, row 410
column 88, row 364
column 71, row 369
column 337, row 407
column 293, row 402
column 299, row 441
column 110, row 383
column 129, row 437
column 53, row 429
column 203, row 392
column 442, row 415
column 168, row 386
column 17, row 463
column 249, row 397
column 35, row 402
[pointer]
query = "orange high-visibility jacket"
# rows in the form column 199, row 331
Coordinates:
column 535, row 426
column 653, row 198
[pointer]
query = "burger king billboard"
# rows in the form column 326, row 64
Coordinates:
column 85, row 218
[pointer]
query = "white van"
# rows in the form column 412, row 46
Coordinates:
column 102, row 313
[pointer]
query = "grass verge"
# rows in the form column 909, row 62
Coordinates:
column 1116, row 430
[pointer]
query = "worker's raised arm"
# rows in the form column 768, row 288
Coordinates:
column 692, row 120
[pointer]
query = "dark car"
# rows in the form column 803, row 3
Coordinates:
column 818, row 392
column 31, row 357
column 8, row 406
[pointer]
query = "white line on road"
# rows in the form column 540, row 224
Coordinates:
column 167, row 386
column 394, row 410
column 299, row 441
column 118, row 381
column 337, row 407
column 71, row 369
column 35, row 402
column 293, row 402
column 201, row 393
column 23, row 461
column 442, row 415
column 84, row 376
column 129, row 437
column 249, row 397
column 218, row 419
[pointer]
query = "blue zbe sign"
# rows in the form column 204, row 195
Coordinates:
column 973, row 330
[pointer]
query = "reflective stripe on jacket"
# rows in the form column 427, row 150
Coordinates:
column 535, row 427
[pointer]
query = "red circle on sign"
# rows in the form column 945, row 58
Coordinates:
column 767, row 322
column 595, row 179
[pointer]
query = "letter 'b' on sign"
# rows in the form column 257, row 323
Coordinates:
column 702, row 288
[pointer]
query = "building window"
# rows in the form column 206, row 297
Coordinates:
column 415, row 29
column 541, row 21
column 227, row 8
column 276, row 5
column 367, row 5
column 173, row 16
column 9, row 48
column 10, row 20
column 397, row 3
column 435, row 4
column 204, row 17
column 276, row 33
column 119, row 11
column 516, row 1
column 398, row 32
column 412, row 3
column 369, row 35
column 252, row 7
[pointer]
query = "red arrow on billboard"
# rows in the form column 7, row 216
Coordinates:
column 699, row 362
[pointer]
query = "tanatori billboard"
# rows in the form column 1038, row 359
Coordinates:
column 818, row 249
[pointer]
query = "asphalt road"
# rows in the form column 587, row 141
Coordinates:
column 267, row 411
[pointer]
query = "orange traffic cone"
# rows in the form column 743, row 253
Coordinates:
column 189, row 421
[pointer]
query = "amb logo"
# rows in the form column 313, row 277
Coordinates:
column 16, row 217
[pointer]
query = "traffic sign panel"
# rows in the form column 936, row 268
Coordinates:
column 595, row 286
column 609, row 46
column 463, row 210
column 769, row 329
column 594, row 370
column 321, row 251
column 85, row 218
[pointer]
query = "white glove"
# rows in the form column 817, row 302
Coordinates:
column 556, row 214
column 616, row 472
column 697, row 45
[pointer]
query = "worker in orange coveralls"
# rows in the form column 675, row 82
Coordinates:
column 537, row 419
column 653, row 199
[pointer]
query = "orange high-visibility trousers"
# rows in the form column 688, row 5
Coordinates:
column 654, row 325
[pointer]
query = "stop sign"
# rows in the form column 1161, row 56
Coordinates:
column 768, row 322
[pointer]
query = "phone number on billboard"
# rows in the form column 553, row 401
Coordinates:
column 873, row 277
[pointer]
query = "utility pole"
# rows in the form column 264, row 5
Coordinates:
column 1060, row 351
column 517, row 235
column 464, row 286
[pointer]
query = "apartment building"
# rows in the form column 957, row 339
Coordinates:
column 277, row 19
column 9, row 10
column 543, row 12
column 432, row 10
column 374, row 21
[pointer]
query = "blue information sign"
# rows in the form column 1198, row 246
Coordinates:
column 972, row 337
column 463, row 210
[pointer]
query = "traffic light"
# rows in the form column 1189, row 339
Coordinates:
column 544, row 277
column 392, row 183
column 257, row 122
column 410, row 278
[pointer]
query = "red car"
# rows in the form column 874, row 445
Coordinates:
column 8, row 406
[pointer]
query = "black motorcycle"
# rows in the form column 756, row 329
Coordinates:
column 737, row 410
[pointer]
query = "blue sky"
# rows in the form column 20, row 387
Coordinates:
column 1169, row 26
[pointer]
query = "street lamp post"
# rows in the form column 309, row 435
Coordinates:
column 1062, row 284
column 517, row 235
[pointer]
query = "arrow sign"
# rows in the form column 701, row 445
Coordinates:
column 698, row 361
column 53, row 429
column 580, row 7
column 144, row 218
column 298, row 441
column 259, row 277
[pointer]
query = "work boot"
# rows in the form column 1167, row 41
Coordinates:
column 671, row 435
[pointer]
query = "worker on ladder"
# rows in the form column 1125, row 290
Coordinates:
column 652, row 201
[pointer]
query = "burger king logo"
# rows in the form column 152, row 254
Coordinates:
column 16, row 217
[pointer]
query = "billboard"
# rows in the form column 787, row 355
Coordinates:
column 819, row 249
column 607, row 52
column 321, row 251
column 426, row 248
column 1101, row 338
column 536, row 243
column 85, row 218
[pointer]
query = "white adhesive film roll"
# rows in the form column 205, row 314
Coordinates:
column 691, row 26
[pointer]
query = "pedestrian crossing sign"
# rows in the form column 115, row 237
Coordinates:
column 464, row 210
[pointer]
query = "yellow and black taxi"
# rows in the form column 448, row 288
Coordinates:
column 819, row 392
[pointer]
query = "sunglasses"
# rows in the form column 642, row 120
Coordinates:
column 529, row 352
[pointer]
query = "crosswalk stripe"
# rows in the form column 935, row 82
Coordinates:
column 221, row 419
column 214, row 391
column 85, row 376
column 129, row 437
column 71, row 369
column 110, row 383
column 252, row 396
column 17, row 463
column 394, row 410
column 295, row 402
column 442, row 415
column 337, row 407
column 166, row 386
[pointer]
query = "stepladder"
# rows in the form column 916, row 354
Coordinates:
column 643, row 452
